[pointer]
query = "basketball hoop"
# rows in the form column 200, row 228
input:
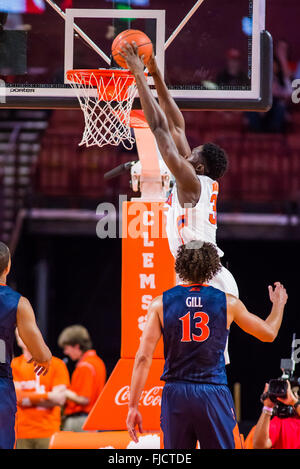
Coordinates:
column 106, row 97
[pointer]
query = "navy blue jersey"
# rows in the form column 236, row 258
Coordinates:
column 195, row 334
column 9, row 300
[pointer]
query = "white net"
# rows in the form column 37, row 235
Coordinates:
column 106, row 102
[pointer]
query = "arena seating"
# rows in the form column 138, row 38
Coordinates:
column 264, row 168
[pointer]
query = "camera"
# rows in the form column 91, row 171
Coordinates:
column 278, row 387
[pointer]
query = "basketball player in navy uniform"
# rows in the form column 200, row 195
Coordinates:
column 15, row 311
column 194, row 320
column 192, row 205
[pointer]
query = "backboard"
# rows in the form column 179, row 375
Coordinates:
column 214, row 54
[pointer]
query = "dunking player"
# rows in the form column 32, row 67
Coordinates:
column 194, row 319
column 193, row 202
column 15, row 311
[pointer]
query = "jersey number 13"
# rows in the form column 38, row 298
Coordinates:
column 200, row 322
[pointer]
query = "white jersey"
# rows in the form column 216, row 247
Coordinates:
column 185, row 224
column 199, row 223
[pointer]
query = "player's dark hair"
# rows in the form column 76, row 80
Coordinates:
column 75, row 335
column 4, row 257
column 216, row 160
column 197, row 262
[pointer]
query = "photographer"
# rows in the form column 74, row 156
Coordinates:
column 279, row 424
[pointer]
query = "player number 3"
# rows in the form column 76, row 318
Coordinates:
column 213, row 201
column 201, row 320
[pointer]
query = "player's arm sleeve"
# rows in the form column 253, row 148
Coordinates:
column 30, row 333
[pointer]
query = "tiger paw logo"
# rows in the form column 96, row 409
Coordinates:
column 142, row 322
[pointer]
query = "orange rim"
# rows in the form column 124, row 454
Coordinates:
column 92, row 76
column 112, row 84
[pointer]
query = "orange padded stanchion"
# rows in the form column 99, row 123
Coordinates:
column 74, row 440
column 147, row 270
column 110, row 410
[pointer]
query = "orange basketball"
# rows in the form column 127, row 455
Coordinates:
column 142, row 41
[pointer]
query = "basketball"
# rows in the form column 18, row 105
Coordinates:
column 142, row 41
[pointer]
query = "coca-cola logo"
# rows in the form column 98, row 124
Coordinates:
column 152, row 397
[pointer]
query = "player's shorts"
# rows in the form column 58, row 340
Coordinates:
column 192, row 412
column 8, row 409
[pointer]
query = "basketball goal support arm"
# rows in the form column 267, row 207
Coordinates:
column 81, row 33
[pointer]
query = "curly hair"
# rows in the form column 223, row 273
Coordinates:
column 216, row 160
column 197, row 262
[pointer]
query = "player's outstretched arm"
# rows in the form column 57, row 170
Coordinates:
column 142, row 364
column 32, row 337
column 264, row 330
column 184, row 173
column 173, row 114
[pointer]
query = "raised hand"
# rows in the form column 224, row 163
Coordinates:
column 134, row 61
column 152, row 65
column 278, row 295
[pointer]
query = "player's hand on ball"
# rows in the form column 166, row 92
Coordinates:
column 278, row 294
column 134, row 418
column 152, row 65
column 134, row 61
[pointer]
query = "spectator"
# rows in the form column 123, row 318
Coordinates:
column 87, row 380
column 39, row 399
column 276, row 118
column 233, row 75
column 283, row 430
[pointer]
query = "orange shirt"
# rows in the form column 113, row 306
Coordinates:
column 88, row 380
column 38, row 421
